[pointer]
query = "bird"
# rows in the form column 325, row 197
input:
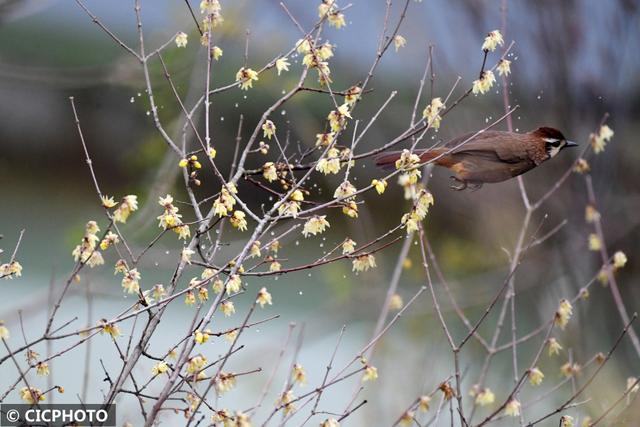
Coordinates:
column 489, row 156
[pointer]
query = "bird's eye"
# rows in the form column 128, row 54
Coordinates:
column 554, row 142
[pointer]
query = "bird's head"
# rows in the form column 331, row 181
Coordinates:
column 554, row 141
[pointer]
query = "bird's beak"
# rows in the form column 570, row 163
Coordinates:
column 571, row 144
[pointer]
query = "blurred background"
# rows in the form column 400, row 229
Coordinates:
column 572, row 62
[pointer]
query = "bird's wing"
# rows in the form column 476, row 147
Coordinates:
column 494, row 145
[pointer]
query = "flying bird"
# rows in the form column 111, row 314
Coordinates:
column 490, row 156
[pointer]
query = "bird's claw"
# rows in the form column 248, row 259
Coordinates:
column 462, row 186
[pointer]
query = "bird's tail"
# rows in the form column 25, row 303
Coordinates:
column 388, row 160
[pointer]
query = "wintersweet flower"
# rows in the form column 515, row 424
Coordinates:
column 131, row 281
column 370, row 373
column 599, row 140
column 109, row 328
column 264, row 297
column 424, row 402
column 227, row 308
column 298, row 374
column 42, row 369
column 31, row 395
column 238, row 220
column 282, row 65
column 582, row 166
column 399, row 42
column 324, row 139
column 566, row 421
column 492, row 41
column 535, row 376
column 395, row 302
column 564, row 313
column 513, row 408
column 338, row 118
column 344, row 191
column 485, row 397
column 268, row 129
column 594, row 242
column 246, row 77
column 504, row 67
column 379, row 185
column 619, row 259
column 315, row 225
column 4, row 331
column 364, row 263
column 348, row 246
column 554, row 347
column 484, row 83
column 352, row 95
column 329, row 164
column 107, row 201
column 196, row 364
column 186, row 255
column 431, row 113
column 330, row 422
column 127, row 205
column 11, row 270
column 216, row 52
column 159, row 368
column 181, row 39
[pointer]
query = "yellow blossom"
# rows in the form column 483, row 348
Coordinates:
column 330, row 422
column 329, row 164
column 227, row 308
column 234, row 284
column 246, row 77
column 298, row 374
column 407, row 418
column 268, row 129
column 127, row 205
column 569, row 370
column 352, row 95
column 484, row 83
column 315, row 225
column 186, row 255
column 504, row 67
column 131, row 281
column 201, row 337
column 513, row 408
column 324, row 139
column 14, row 269
column 109, row 328
column 594, row 242
column 582, row 166
column 42, row 369
column 254, row 251
column 379, row 185
column 599, row 140
column 370, row 373
column 364, row 263
column 159, row 368
column 564, row 313
column 492, row 41
column 535, row 376
column 350, row 209
column 344, row 191
column 566, row 421
column 399, row 42
column 554, row 347
column 189, row 298
column 303, row 46
column 485, row 397
column 424, row 402
column 338, row 118
column 395, row 302
column 238, row 220
column 181, row 39
column 4, row 331
column 31, row 395
column 264, row 297
column 225, row 382
column 348, row 246
column 282, row 65
column 107, row 201
column 275, row 266
column 591, row 214
column 619, row 259
column 431, row 113
column 196, row 364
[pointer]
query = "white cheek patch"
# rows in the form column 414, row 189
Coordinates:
column 554, row 151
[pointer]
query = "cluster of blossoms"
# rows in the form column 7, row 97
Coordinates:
column 364, row 263
column 131, row 277
column 346, row 194
column 423, row 200
column 484, row 83
column 492, row 41
column 212, row 19
column 316, row 57
column 292, row 205
column 128, row 205
column 171, row 219
column 225, row 201
column 193, row 165
column 330, row 9
column 109, row 328
column 432, row 113
column 86, row 252
column 246, row 77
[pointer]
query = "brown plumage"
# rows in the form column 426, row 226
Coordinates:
column 492, row 156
